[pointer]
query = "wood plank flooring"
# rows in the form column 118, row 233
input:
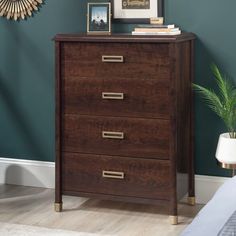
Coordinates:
column 34, row 206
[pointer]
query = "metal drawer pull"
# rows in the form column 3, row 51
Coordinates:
column 119, row 59
column 118, row 96
column 113, row 135
column 113, row 174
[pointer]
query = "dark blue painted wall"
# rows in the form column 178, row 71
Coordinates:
column 27, row 72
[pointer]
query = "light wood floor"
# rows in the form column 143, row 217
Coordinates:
column 34, row 206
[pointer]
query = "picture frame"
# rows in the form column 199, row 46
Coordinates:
column 136, row 11
column 99, row 18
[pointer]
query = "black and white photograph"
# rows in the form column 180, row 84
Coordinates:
column 136, row 11
column 135, row 4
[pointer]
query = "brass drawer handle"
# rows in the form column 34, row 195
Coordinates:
column 116, row 96
column 117, row 59
column 112, row 135
column 113, row 174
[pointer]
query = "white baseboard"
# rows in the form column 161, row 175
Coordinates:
column 27, row 172
column 206, row 186
column 42, row 174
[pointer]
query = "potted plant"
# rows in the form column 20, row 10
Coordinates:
column 223, row 103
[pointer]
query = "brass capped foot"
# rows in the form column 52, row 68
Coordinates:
column 191, row 201
column 173, row 220
column 58, row 207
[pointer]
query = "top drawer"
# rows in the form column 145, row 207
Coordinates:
column 134, row 60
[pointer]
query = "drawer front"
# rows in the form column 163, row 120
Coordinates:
column 134, row 60
column 120, row 176
column 146, row 138
column 117, row 97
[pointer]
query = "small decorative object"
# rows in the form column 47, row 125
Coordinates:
column 136, row 11
column 224, row 105
column 16, row 9
column 99, row 18
column 226, row 152
column 157, row 20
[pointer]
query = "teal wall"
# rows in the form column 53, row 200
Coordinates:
column 27, row 72
column 213, row 23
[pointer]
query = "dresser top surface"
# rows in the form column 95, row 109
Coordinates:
column 124, row 38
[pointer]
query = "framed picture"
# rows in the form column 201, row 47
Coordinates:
column 136, row 11
column 99, row 18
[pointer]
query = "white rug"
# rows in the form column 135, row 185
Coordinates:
column 25, row 230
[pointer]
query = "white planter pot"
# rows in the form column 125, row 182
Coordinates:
column 226, row 149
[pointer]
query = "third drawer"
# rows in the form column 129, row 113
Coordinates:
column 145, row 138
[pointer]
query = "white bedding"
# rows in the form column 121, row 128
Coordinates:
column 211, row 219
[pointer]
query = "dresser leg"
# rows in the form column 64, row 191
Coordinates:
column 58, row 207
column 173, row 220
column 191, row 201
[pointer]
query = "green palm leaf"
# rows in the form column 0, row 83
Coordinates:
column 211, row 99
column 223, row 103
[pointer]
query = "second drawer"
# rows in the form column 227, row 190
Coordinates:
column 132, row 97
column 146, row 138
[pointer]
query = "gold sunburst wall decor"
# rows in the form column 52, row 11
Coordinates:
column 18, row 9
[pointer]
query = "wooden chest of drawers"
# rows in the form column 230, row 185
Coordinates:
column 124, row 118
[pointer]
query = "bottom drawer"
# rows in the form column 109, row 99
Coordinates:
column 120, row 176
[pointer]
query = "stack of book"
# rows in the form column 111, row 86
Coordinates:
column 156, row 29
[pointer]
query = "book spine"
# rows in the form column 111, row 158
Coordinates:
column 156, row 26
column 157, row 33
column 152, row 30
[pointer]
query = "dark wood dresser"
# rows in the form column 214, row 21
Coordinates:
column 124, row 118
